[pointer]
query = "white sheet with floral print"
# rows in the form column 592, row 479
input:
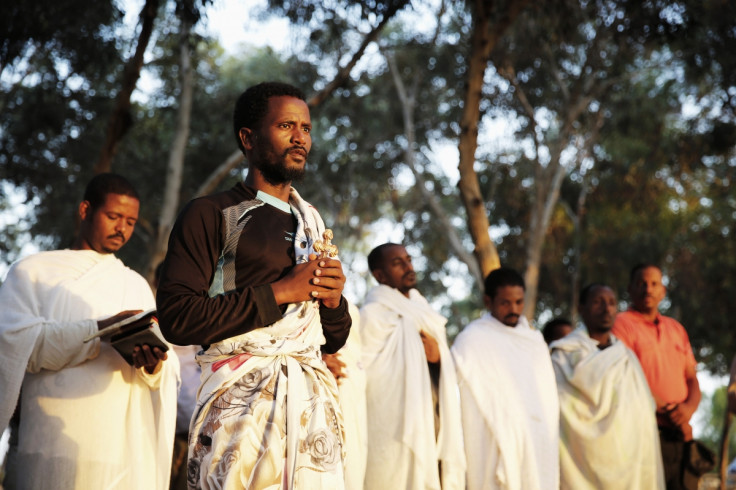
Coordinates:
column 252, row 390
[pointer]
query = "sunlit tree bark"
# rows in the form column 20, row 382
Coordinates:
column 175, row 167
column 485, row 34
column 121, row 119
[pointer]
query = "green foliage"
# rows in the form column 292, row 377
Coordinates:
column 714, row 417
column 55, row 30
column 317, row 12
column 57, row 75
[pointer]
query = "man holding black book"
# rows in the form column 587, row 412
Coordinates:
column 85, row 417
column 243, row 278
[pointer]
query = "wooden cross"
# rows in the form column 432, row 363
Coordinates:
column 325, row 248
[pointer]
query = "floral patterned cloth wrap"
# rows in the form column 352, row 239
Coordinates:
column 244, row 434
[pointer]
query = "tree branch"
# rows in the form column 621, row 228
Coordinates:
column 344, row 71
column 120, row 119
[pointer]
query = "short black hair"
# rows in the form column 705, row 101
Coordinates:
column 549, row 328
column 503, row 276
column 108, row 183
column 585, row 292
column 640, row 267
column 252, row 105
column 375, row 258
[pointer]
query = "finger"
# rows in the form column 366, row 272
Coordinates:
column 160, row 354
column 326, row 288
column 150, row 357
column 327, row 272
column 330, row 264
column 326, row 283
column 328, row 296
column 333, row 267
column 140, row 357
column 137, row 357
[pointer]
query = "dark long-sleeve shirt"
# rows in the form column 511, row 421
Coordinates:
column 224, row 252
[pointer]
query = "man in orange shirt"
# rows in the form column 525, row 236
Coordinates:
column 663, row 348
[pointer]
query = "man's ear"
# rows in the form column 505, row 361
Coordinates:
column 378, row 274
column 487, row 302
column 247, row 138
column 85, row 210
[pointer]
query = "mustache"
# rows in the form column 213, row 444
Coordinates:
column 512, row 316
column 298, row 148
column 118, row 235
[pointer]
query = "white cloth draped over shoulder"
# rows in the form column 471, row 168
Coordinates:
column 88, row 419
column 402, row 449
column 608, row 432
column 352, row 401
column 509, row 404
column 256, row 385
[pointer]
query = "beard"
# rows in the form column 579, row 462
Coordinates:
column 275, row 169
column 510, row 320
column 113, row 247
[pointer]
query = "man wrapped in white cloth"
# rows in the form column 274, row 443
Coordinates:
column 242, row 277
column 608, row 431
column 509, row 401
column 86, row 418
column 347, row 367
column 414, row 432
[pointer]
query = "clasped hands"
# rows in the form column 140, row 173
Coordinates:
column 336, row 366
column 321, row 279
column 679, row 414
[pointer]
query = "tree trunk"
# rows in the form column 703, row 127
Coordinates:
column 547, row 178
column 548, row 192
column 174, row 171
column 214, row 179
column 576, row 217
column 483, row 40
column 408, row 103
column 120, row 119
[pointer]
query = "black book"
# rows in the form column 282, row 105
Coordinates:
column 140, row 329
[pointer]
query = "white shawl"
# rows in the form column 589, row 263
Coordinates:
column 608, row 431
column 88, row 420
column 352, row 401
column 510, row 408
column 401, row 433
column 257, row 384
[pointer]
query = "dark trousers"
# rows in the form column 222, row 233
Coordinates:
column 179, row 463
column 673, row 447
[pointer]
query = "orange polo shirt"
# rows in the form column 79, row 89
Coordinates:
column 663, row 349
